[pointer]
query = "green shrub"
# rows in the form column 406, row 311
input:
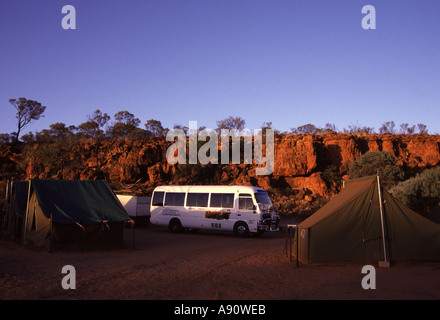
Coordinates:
column 331, row 176
column 422, row 192
column 374, row 162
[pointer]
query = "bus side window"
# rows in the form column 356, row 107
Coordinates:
column 197, row 199
column 222, row 200
column 158, row 198
column 245, row 202
column 175, row 199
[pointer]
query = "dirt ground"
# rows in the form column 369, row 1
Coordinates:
column 201, row 266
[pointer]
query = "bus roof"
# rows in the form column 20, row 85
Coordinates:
column 209, row 188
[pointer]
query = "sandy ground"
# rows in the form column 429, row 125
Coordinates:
column 201, row 266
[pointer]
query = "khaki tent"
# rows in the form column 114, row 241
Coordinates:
column 73, row 213
column 349, row 228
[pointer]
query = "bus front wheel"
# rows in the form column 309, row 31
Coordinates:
column 241, row 229
column 175, row 226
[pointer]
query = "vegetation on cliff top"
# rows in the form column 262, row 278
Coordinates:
column 126, row 125
column 311, row 161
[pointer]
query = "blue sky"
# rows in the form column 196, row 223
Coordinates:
column 289, row 62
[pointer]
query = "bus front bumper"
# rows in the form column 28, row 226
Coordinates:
column 270, row 224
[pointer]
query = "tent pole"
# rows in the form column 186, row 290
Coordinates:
column 290, row 242
column 7, row 207
column 27, row 213
column 51, row 231
column 297, row 244
column 7, row 189
column 134, row 235
column 385, row 263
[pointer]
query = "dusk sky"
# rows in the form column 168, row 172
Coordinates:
column 290, row 62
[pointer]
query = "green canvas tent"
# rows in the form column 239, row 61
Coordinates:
column 79, row 213
column 366, row 223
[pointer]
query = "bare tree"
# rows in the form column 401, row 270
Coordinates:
column 330, row 127
column 423, row 129
column 230, row 123
column 387, row 127
column 405, row 128
column 27, row 110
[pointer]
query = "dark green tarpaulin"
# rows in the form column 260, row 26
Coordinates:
column 81, row 213
column 349, row 228
column 83, row 201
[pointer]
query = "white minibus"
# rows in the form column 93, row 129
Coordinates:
column 241, row 209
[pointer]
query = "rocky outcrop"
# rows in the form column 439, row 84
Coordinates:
column 300, row 163
column 295, row 156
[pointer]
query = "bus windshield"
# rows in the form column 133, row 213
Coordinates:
column 263, row 200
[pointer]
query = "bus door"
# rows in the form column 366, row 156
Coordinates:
column 247, row 210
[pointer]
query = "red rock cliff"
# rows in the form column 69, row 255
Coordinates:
column 299, row 162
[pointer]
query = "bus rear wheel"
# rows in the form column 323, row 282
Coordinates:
column 241, row 229
column 175, row 226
